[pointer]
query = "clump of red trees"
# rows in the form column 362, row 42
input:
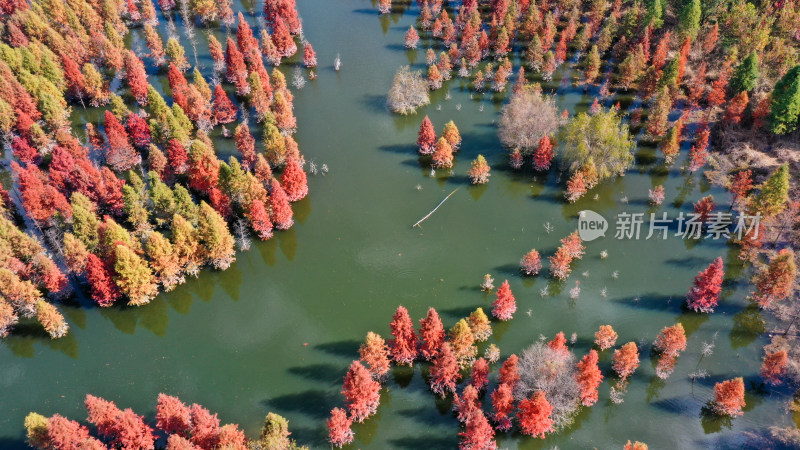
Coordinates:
column 571, row 249
column 146, row 201
column 176, row 424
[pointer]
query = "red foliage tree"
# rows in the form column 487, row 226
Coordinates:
column 531, row 263
column 543, row 156
column 503, row 405
column 774, row 366
column 122, row 428
column 280, row 208
column 534, row 415
column 110, row 192
column 361, row 392
column 412, row 38
column 178, row 86
column 215, row 50
column 561, row 49
column 136, row 76
column 480, row 374
column 445, row 371
column 736, row 107
column 704, row 294
column 559, row 343
column 339, row 432
column 626, row 360
column 669, row 343
column 559, row 263
column 282, row 39
column 41, row 201
column 589, row 378
column 246, row 145
column 477, row 434
column 172, row 415
column 761, row 111
column 244, row 36
column 741, row 185
column 671, row 340
column 729, row 397
column 466, row 403
column 220, row 202
column 236, row 70
column 775, row 281
column 683, row 56
column 74, row 78
column 660, row 55
column 224, row 109
column 203, row 167
column 504, row 305
column 704, row 207
column 63, row 433
column 576, row 187
column 509, row 373
column 205, row 427
column 403, row 346
column 24, row 152
column 431, row 335
column 698, row 85
column 120, row 155
column 294, row 181
column 177, row 156
column 139, row 131
column 710, row 39
column 309, row 56
column 699, row 151
column 426, row 141
column 716, row 96
column 259, row 219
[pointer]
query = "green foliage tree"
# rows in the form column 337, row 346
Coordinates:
column 690, row 18
column 37, row 430
column 184, row 205
column 746, row 74
column 84, row 220
column 774, row 192
column 669, row 77
column 600, row 143
column 785, row 106
column 654, row 14
column 275, row 434
column 134, row 277
column 215, row 239
column 162, row 199
column 134, row 202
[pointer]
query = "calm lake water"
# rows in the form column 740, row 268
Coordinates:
column 277, row 331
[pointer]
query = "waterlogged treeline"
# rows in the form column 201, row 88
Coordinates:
column 145, row 201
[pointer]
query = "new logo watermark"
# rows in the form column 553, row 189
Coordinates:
column 717, row 225
column 591, row 225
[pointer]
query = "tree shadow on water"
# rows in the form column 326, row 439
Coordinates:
column 13, row 444
column 321, row 373
column 313, row 403
column 402, row 375
column 426, row 442
column 458, row 313
column 375, row 103
column 344, row 349
column 25, row 335
column 748, row 326
column 651, row 301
